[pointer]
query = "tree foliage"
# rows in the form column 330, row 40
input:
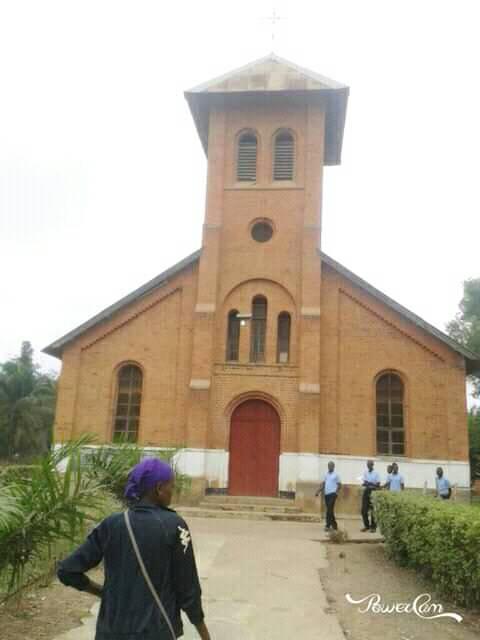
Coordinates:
column 27, row 406
column 44, row 512
column 38, row 512
column 111, row 465
column 465, row 327
column 474, row 442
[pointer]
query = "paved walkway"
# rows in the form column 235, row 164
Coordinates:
column 260, row 581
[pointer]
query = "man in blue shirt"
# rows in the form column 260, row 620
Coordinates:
column 371, row 482
column 389, row 473
column 330, row 486
column 444, row 489
column 395, row 481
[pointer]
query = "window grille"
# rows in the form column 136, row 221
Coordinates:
column 258, row 329
column 128, row 401
column 390, row 415
column 284, row 156
column 283, row 338
column 247, row 158
column 233, row 336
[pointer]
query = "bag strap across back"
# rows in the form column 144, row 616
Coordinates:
column 144, row 571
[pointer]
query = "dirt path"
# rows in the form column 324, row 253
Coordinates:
column 44, row 613
column 363, row 569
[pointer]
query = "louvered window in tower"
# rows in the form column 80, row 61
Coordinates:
column 258, row 329
column 284, row 156
column 247, row 158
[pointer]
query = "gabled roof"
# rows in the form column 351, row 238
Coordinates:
column 55, row 349
column 273, row 76
column 270, row 73
column 473, row 359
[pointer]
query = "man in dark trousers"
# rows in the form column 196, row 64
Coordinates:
column 442, row 484
column 128, row 609
column 330, row 486
column 370, row 482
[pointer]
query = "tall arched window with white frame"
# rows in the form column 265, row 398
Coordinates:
column 390, row 414
column 233, row 336
column 258, row 329
column 128, row 401
column 283, row 337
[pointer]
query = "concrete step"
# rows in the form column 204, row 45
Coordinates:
column 220, row 499
column 225, row 506
column 200, row 512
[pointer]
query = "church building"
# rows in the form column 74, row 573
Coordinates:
column 260, row 355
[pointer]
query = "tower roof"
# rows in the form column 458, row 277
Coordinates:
column 274, row 77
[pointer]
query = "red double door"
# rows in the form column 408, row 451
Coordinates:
column 254, row 450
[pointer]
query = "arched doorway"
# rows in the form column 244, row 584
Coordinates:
column 254, row 450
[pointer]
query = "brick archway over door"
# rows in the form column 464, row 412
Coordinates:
column 254, row 450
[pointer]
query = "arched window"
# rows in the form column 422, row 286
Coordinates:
column 283, row 337
column 247, row 158
column 259, row 329
column 128, row 401
column 283, row 156
column 390, row 418
column 233, row 335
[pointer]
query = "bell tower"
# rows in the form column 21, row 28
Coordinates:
column 268, row 129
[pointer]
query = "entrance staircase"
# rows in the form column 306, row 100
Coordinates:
column 248, row 508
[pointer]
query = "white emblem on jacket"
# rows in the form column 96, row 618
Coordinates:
column 184, row 538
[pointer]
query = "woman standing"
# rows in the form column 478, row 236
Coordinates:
column 130, row 608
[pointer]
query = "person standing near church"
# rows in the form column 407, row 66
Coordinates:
column 370, row 482
column 395, row 481
column 389, row 471
column 152, row 543
column 444, row 489
column 330, row 486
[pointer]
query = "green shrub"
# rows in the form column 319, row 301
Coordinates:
column 16, row 473
column 439, row 538
column 110, row 465
column 39, row 512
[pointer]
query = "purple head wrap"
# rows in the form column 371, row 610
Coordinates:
column 145, row 475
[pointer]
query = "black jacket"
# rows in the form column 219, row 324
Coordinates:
column 128, row 610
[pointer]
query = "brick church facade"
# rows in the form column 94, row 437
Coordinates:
column 259, row 354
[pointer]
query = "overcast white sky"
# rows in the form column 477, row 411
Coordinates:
column 102, row 176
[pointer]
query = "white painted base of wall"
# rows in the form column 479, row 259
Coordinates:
column 309, row 467
column 212, row 464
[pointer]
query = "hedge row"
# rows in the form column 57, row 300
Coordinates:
column 439, row 538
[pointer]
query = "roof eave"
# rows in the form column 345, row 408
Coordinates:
column 324, row 80
column 472, row 360
column 56, row 348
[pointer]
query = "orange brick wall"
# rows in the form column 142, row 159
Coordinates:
column 342, row 338
column 155, row 333
column 361, row 337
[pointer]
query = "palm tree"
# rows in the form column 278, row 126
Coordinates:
column 27, row 405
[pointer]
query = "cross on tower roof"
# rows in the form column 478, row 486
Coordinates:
column 274, row 18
